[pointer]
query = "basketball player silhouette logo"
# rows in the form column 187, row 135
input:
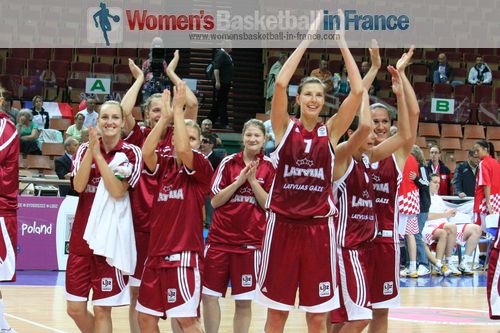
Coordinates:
column 103, row 15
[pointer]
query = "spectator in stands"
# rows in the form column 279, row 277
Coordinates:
column 270, row 138
column 85, row 136
column 464, row 180
column 28, row 133
column 76, row 129
column 437, row 167
column 90, row 113
column 442, row 72
column 206, row 126
column 273, row 73
column 208, row 142
column 223, row 74
column 155, row 70
column 480, row 73
column 48, row 78
column 324, row 75
column 341, row 82
column 40, row 116
column 63, row 165
column 9, row 110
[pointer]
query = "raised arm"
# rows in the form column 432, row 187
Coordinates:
column 128, row 101
column 411, row 105
column 191, row 100
column 279, row 104
column 395, row 142
column 181, row 138
column 345, row 150
column 81, row 177
column 149, row 147
column 338, row 124
column 376, row 63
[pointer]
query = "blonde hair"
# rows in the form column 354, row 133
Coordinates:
column 192, row 123
column 418, row 153
column 114, row 103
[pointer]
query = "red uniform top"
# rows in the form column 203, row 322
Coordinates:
column 240, row 222
column 444, row 174
column 409, row 198
column 302, row 188
column 143, row 196
column 176, row 217
column 488, row 175
column 386, row 178
column 9, row 166
column 77, row 245
column 357, row 222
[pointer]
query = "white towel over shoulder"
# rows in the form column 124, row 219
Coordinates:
column 110, row 230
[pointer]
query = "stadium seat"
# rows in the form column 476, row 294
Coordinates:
column 493, row 133
column 443, row 90
column 85, row 55
column 428, row 130
column 460, row 74
column 496, row 144
column 80, row 70
column 38, row 162
column 21, row 53
column 52, row 149
column 463, row 91
column 467, row 144
column 460, row 155
column 483, row 94
column 125, row 54
column 423, row 89
column 102, row 70
column 36, row 66
column 75, row 88
column 451, row 131
column 418, row 72
column 473, row 132
column 60, row 124
column 41, row 53
column 450, row 144
column 15, row 66
column 63, row 54
column 106, row 55
column 420, row 141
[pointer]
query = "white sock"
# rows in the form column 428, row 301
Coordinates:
column 3, row 322
column 439, row 264
column 413, row 266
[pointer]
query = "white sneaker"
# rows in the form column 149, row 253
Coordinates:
column 423, row 270
column 404, row 272
column 454, row 270
column 445, row 271
column 465, row 269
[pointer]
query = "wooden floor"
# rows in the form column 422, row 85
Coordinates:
column 43, row 309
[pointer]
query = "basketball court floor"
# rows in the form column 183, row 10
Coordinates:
column 35, row 304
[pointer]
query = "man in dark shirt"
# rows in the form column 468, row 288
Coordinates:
column 223, row 76
column 208, row 142
column 63, row 165
column 464, row 181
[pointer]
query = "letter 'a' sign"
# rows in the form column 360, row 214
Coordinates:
column 98, row 86
column 443, row 105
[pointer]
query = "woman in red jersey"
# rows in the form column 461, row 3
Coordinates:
column 170, row 283
column 85, row 270
column 356, row 226
column 240, row 188
column 487, row 196
column 299, row 245
column 142, row 197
